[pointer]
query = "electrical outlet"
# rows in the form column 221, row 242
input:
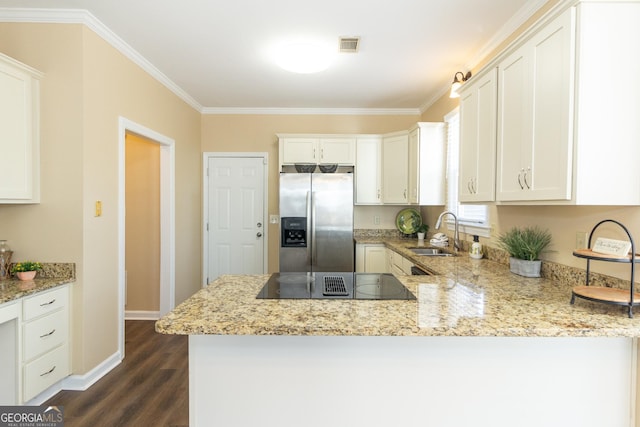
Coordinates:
column 98, row 208
column 581, row 239
column 273, row 219
column 376, row 220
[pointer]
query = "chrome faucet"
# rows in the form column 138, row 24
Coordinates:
column 456, row 239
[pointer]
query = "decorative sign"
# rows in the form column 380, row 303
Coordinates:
column 612, row 247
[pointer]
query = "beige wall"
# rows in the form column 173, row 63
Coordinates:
column 257, row 133
column 142, row 248
column 87, row 86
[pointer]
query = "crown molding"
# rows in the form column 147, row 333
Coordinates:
column 316, row 111
column 81, row 16
column 526, row 12
column 516, row 21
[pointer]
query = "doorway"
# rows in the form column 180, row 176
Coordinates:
column 166, row 219
column 235, row 213
column 142, row 228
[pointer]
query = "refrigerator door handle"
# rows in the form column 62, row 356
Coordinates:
column 309, row 227
column 313, row 229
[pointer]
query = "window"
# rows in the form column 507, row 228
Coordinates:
column 473, row 219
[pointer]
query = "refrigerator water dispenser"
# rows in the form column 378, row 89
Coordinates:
column 294, row 232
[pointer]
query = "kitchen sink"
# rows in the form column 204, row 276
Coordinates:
column 430, row 252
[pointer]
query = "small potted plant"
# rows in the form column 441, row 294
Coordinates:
column 422, row 231
column 524, row 246
column 26, row 270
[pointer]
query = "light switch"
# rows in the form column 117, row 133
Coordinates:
column 98, row 208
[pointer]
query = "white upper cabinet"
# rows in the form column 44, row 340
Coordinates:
column 317, row 149
column 19, row 132
column 568, row 112
column 478, row 110
column 427, row 164
column 337, row 151
column 298, row 150
column 534, row 120
column 368, row 171
column 607, row 131
column 395, row 174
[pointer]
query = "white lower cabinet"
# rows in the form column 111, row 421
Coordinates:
column 400, row 265
column 371, row 258
column 45, row 371
column 45, row 341
column 10, row 354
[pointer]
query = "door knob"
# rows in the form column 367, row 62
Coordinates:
column 259, row 224
column 259, row 234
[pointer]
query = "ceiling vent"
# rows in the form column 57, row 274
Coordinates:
column 349, row 44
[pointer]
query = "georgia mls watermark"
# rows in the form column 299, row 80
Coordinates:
column 31, row 416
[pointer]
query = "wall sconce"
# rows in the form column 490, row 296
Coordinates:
column 457, row 82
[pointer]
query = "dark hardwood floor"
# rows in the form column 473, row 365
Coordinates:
column 149, row 388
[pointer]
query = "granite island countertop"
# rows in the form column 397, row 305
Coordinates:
column 467, row 297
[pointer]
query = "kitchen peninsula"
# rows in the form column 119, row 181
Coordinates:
column 478, row 347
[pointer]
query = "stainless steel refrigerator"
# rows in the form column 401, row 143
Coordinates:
column 316, row 222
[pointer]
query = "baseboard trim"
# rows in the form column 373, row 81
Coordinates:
column 141, row 315
column 77, row 382
column 83, row 382
column 45, row 395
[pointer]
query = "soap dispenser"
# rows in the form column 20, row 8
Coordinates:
column 475, row 250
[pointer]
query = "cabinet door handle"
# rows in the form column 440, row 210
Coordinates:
column 48, row 303
column 49, row 371
column 469, row 187
column 49, row 334
column 473, row 186
column 525, row 178
column 322, row 154
column 378, row 194
column 405, row 194
column 519, row 181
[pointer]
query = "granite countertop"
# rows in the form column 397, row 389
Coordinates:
column 467, row 297
column 51, row 276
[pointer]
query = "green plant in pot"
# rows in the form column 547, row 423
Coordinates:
column 524, row 246
column 422, row 230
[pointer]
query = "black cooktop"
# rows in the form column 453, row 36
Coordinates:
column 340, row 285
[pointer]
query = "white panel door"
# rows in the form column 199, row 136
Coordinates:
column 235, row 216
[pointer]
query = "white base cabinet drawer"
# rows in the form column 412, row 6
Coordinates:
column 45, row 371
column 46, row 333
column 45, row 302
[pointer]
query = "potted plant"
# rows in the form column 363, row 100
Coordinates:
column 26, row 270
column 422, row 231
column 524, row 246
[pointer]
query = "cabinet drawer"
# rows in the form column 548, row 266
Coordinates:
column 45, row 371
column 45, row 302
column 43, row 334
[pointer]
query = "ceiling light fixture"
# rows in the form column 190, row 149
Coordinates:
column 458, row 82
column 303, row 57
